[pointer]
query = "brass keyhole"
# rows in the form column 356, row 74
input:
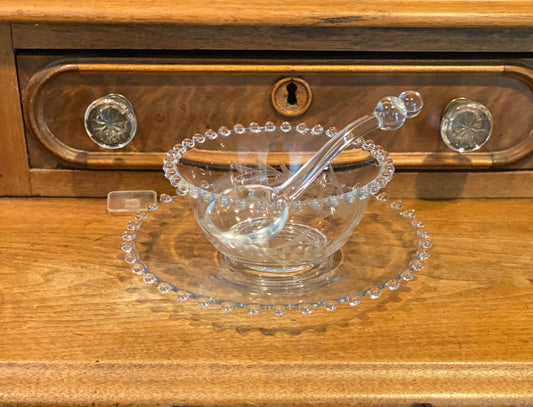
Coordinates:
column 292, row 100
column 291, row 96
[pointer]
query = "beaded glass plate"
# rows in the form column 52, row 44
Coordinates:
column 166, row 247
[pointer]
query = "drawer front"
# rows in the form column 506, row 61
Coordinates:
column 174, row 100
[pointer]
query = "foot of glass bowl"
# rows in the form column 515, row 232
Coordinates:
column 269, row 280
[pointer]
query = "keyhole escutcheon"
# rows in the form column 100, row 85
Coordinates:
column 291, row 96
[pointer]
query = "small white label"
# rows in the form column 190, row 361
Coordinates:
column 130, row 201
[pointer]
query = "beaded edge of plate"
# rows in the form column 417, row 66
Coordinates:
column 415, row 265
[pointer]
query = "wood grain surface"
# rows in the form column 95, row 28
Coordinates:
column 14, row 172
column 388, row 13
column 79, row 328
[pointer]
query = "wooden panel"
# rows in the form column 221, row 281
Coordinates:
column 423, row 185
column 79, row 328
column 14, row 177
column 386, row 13
column 175, row 100
column 276, row 38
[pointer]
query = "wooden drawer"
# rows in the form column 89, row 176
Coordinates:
column 173, row 99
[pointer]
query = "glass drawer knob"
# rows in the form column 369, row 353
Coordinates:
column 466, row 125
column 110, row 121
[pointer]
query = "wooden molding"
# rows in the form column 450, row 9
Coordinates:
column 242, row 383
column 312, row 13
column 271, row 37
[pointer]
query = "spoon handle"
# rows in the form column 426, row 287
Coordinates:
column 293, row 187
column 389, row 114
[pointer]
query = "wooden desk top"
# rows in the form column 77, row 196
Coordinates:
column 79, row 328
column 348, row 13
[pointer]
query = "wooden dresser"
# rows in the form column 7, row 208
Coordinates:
column 79, row 329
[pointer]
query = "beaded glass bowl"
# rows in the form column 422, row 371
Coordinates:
column 318, row 223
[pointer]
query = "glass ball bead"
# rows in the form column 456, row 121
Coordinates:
column 409, row 213
column 137, row 268
column 330, row 305
column 297, row 206
column 182, row 295
column 331, row 132
column 224, row 131
column 396, row 204
column 227, row 306
column 253, row 309
column 413, row 102
column 255, row 127
column 141, row 215
column 408, row 275
column 332, row 201
column 353, row 300
column 374, row 293
column 239, row 129
column 302, row 128
column 204, row 302
column 418, row 223
column 285, row 127
column 416, row 265
column 211, row 134
column 188, row 143
column 393, row 284
column 163, row 288
column 348, row 197
column 390, row 113
column 149, row 278
column 426, row 243
column 315, row 204
column 270, row 127
column 152, row 206
column 198, row 138
column 423, row 254
column 317, row 130
column 127, row 247
column 128, row 236
column 305, row 308
column 278, row 309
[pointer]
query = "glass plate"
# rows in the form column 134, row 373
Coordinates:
column 166, row 247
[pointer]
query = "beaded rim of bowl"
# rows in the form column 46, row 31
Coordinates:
column 416, row 264
column 183, row 187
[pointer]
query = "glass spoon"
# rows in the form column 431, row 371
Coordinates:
column 271, row 204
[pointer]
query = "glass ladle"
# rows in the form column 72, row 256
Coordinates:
column 233, row 224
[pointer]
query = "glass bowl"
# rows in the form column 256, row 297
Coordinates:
column 319, row 222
